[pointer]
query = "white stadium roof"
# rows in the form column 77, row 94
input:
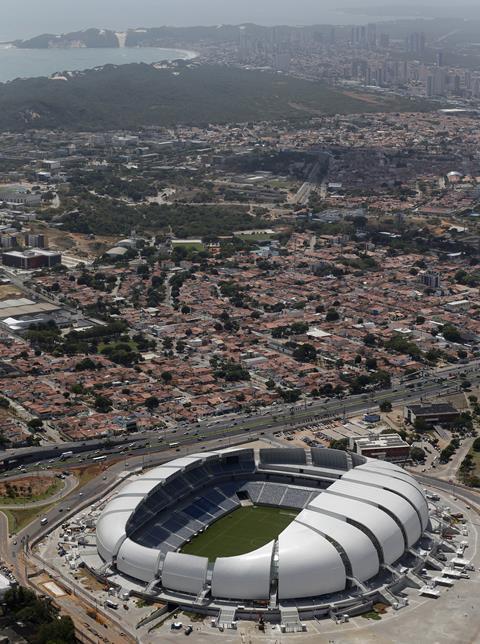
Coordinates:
column 370, row 515
column 359, row 549
column 184, row 573
column 402, row 488
column 387, row 501
column 111, row 533
column 374, row 521
column 244, row 576
column 308, row 564
column 137, row 561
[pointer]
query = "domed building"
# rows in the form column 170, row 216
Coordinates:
column 351, row 521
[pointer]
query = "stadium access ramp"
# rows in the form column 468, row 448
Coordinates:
column 290, row 620
column 226, row 617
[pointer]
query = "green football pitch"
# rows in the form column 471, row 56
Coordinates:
column 241, row 531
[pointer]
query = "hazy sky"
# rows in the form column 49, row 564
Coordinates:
column 22, row 18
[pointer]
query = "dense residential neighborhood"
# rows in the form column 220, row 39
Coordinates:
column 229, row 269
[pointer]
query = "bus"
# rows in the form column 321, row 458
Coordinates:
column 99, row 458
column 171, row 445
column 65, row 455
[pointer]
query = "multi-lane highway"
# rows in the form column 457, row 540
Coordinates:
column 273, row 419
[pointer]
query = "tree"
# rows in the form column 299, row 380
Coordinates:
column 58, row 631
column 290, row 395
column 102, row 404
column 152, row 403
column 421, row 425
column 445, row 455
column 341, row 443
column 167, row 343
column 180, row 346
column 230, row 371
column 417, row 454
column 385, row 406
column 451, row 334
column 4, row 403
column 332, row 315
column 35, row 423
column 167, row 377
column 299, row 328
column 467, row 464
column 305, row 353
column 401, row 345
column 87, row 364
column 476, row 445
column 369, row 340
column 42, row 618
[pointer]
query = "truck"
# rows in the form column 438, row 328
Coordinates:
column 110, row 604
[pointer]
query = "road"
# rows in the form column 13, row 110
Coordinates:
column 451, row 488
column 304, row 192
column 274, row 419
column 449, row 470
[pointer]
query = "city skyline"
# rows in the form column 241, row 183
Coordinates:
column 26, row 18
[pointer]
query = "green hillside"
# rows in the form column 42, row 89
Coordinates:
column 132, row 96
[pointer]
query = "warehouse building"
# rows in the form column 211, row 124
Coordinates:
column 436, row 414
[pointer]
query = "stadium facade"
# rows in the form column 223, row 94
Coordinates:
column 358, row 518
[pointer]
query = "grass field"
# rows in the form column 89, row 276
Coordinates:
column 19, row 519
column 241, row 531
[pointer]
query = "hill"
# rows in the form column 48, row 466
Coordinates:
column 86, row 38
column 132, row 96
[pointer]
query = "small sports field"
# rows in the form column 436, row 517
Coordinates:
column 241, row 531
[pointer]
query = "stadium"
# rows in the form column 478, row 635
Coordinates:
column 289, row 533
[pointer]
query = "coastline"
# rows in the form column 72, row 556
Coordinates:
column 186, row 54
column 189, row 54
column 22, row 63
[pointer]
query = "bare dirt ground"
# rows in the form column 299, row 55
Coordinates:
column 27, row 486
column 75, row 243
column 8, row 291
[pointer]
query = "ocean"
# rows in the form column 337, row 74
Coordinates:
column 29, row 63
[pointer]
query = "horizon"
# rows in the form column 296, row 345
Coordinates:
column 25, row 18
